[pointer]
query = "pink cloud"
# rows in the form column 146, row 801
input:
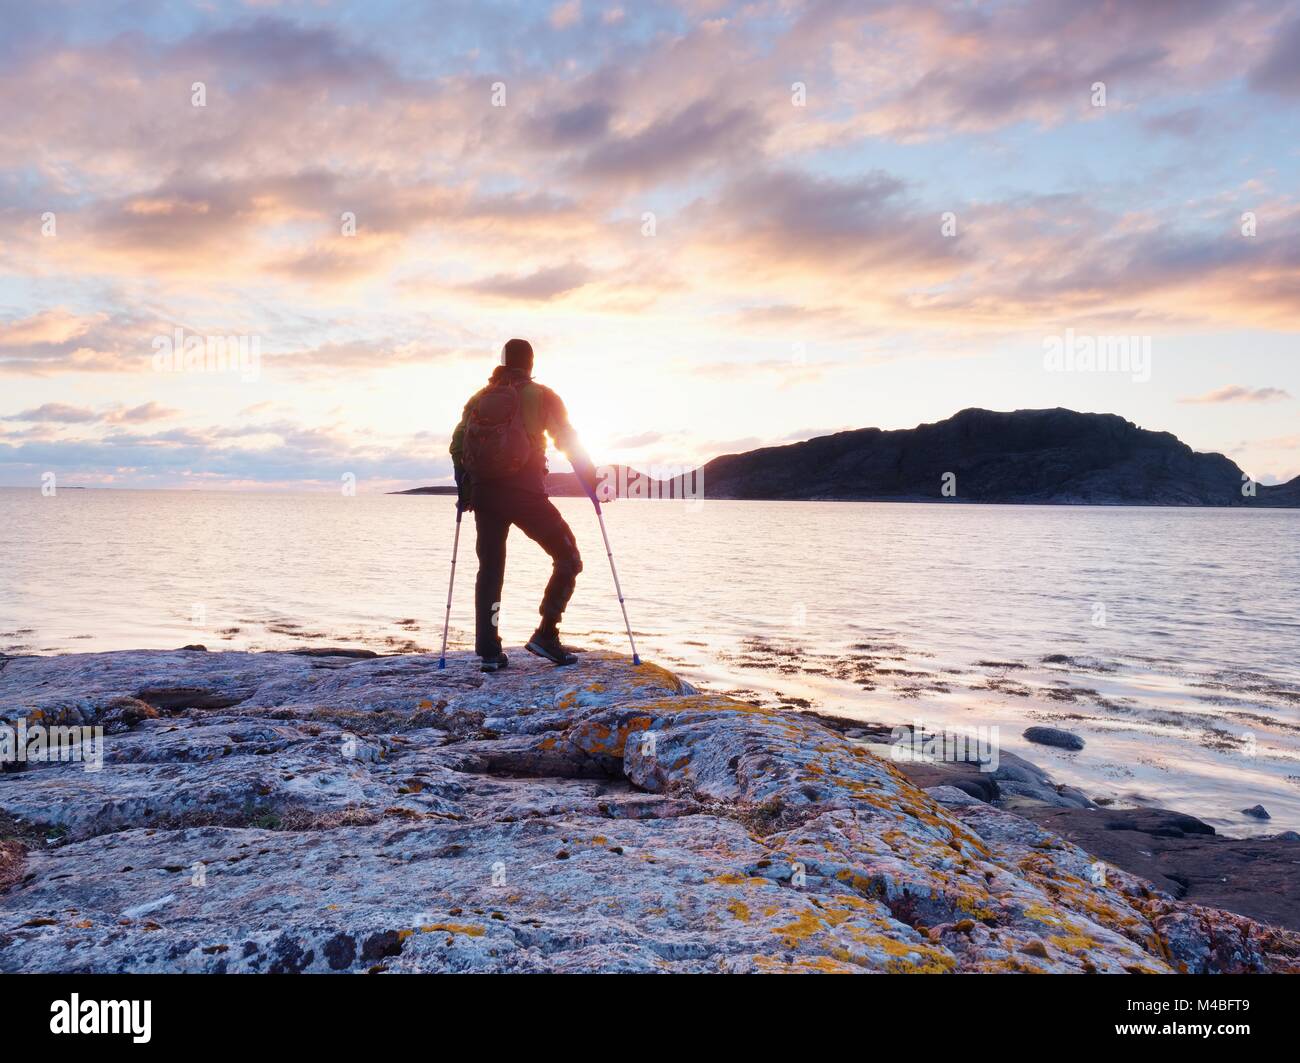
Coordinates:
column 1238, row 393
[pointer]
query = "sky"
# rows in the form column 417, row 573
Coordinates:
column 721, row 226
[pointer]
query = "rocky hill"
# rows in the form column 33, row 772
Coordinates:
column 329, row 812
column 1028, row 456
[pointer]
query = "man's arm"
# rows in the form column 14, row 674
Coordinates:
column 566, row 438
column 457, row 449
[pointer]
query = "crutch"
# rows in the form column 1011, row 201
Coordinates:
column 636, row 659
column 446, row 622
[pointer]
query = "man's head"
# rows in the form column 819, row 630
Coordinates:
column 518, row 354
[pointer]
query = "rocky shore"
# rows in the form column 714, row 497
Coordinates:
column 1178, row 853
column 328, row 812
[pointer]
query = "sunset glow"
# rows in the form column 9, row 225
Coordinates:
column 722, row 226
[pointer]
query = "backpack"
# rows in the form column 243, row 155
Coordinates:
column 496, row 441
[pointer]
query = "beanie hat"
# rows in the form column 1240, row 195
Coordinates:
column 518, row 354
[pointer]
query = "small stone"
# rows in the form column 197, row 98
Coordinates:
column 1257, row 812
column 952, row 797
column 1054, row 736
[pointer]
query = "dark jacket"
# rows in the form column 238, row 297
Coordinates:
column 544, row 415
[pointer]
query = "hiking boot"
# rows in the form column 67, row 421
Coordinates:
column 499, row 663
column 546, row 643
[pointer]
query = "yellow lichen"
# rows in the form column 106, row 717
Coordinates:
column 739, row 909
column 468, row 929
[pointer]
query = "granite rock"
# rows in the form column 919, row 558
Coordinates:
column 281, row 812
column 1054, row 736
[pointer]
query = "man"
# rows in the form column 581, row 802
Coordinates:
column 499, row 452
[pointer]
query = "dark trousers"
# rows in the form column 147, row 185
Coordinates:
column 495, row 510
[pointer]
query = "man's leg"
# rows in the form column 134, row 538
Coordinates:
column 492, row 530
column 538, row 518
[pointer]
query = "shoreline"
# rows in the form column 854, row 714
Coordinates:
column 886, row 683
column 374, row 813
column 1177, row 851
column 1135, row 733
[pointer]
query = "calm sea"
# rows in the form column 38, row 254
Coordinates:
column 1166, row 638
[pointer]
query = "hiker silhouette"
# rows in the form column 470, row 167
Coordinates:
column 499, row 454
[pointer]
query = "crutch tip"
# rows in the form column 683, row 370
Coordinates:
column 636, row 658
column 442, row 663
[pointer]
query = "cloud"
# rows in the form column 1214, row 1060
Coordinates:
column 182, row 223
column 803, row 434
column 336, row 260
column 60, row 340
column 1184, row 122
column 540, row 285
column 268, row 453
column 60, row 413
column 783, row 372
column 722, row 448
column 674, row 145
column 641, row 439
column 56, row 413
column 1279, row 71
column 566, row 14
column 276, row 49
column 377, row 353
column 957, row 67
column 1237, row 393
column 849, row 253
column 146, row 411
column 574, row 125
column 858, row 218
column 776, row 223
